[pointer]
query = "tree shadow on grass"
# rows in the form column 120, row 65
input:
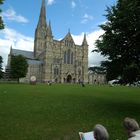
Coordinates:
column 123, row 108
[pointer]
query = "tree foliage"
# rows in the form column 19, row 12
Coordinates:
column 1, row 73
column 121, row 40
column 1, row 21
column 19, row 67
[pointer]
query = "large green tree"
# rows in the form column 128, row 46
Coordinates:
column 1, row 73
column 19, row 67
column 121, row 41
column 1, row 21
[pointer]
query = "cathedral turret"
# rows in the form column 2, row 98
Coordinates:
column 84, row 41
column 85, row 46
column 84, row 59
column 49, row 30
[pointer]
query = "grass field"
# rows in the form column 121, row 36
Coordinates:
column 59, row 112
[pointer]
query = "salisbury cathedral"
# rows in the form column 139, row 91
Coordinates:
column 52, row 60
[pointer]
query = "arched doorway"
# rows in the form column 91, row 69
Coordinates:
column 69, row 79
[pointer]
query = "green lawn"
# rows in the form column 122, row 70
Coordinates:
column 59, row 112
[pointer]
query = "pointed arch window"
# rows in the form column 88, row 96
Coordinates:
column 65, row 57
column 68, row 57
column 71, row 57
column 56, row 71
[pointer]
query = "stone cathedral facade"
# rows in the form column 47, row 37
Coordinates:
column 52, row 60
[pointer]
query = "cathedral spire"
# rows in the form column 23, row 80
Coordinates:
column 42, row 17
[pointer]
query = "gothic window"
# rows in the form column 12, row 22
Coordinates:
column 71, row 44
column 56, row 71
column 68, row 43
column 65, row 57
column 71, row 57
column 68, row 57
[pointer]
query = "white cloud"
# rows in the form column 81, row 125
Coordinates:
column 94, row 58
column 50, row 2
column 73, row 4
column 10, row 14
column 86, row 18
column 10, row 37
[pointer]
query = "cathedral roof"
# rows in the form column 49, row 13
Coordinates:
column 27, row 54
column 34, row 62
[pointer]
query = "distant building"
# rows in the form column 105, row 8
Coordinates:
column 53, row 60
column 96, row 76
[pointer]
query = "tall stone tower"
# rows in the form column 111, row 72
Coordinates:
column 40, row 32
column 42, row 44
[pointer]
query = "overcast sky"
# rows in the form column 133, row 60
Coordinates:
column 80, row 16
